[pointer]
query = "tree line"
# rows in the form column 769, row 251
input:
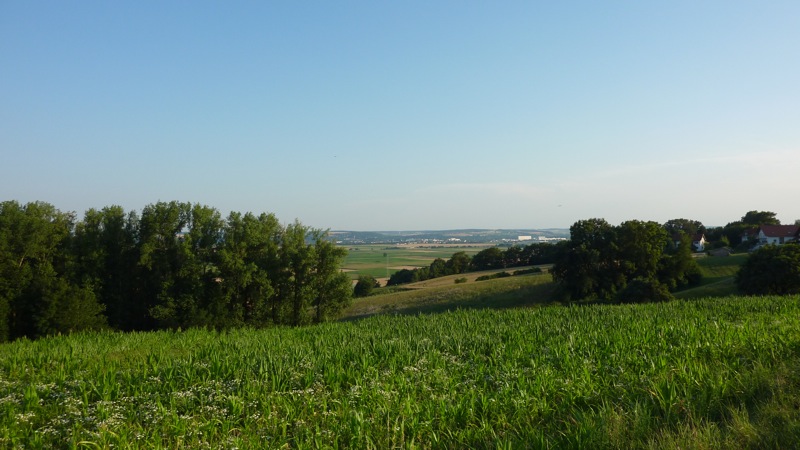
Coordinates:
column 174, row 265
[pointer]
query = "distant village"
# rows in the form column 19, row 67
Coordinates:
column 450, row 237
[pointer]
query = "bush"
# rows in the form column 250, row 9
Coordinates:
column 502, row 274
column 527, row 271
column 461, row 280
column 643, row 290
column 771, row 270
column 365, row 285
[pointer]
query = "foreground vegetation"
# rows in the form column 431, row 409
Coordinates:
column 714, row 373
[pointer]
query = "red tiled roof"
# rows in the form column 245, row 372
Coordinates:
column 779, row 230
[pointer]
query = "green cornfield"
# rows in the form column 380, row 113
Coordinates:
column 709, row 373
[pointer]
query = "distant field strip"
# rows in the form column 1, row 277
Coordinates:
column 381, row 260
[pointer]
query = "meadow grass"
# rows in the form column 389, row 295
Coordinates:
column 443, row 294
column 718, row 277
column 710, row 373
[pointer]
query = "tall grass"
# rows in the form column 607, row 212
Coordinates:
column 717, row 373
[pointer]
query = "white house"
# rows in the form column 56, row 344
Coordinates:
column 777, row 234
column 699, row 242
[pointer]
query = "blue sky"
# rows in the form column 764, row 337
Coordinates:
column 406, row 115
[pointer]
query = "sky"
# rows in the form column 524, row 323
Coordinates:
column 412, row 115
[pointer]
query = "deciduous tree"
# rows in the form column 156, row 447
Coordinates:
column 773, row 269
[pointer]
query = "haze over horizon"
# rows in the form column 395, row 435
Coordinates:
column 408, row 116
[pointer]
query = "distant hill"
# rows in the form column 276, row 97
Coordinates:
column 470, row 236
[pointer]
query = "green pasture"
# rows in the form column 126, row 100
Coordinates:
column 719, row 273
column 443, row 294
column 708, row 373
column 375, row 259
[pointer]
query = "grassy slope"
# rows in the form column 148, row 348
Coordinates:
column 443, row 294
column 440, row 294
column 718, row 277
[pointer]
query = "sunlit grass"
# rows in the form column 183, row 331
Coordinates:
column 718, row 277
column 712, row 373
column 441, row 294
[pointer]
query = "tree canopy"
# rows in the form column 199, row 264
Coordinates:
column 772, row 269
column 600, row 260
column 176, row 265
column 756, row 218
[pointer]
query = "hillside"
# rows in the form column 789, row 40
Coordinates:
column 714, row 373
column 441, row 294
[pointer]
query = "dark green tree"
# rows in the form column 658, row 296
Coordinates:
column 773, row 269
column 589, row 267
column 757, row 218
column 644, row 290
column 248, row 263
column 438, row 268
column 402, row 276
column 600, row 260
column 677, row 268
column 105, row 249
column 365, row 285
column 458, row 263
column 178, row 258
column 686, row 226
column 38, row 291
column 639, row 248
column 513, row 257
column 487, row 259
column 332, row 289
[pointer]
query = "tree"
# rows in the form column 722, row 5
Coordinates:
column 458, row 263
column 332, row 289
column 643, row 290
column 248, row 264
column 757, row 218
column 543, row 253
column 677, row 267
column 773, row 269
column 488, row 259
column 105, row 250
column 437, row 268
column 310, row 277
column 686, row 226
column 365, row 285
column 639, row 248
column 589, row 266
column 402, row 276
column 512, row 257
column 600, row 260
column 38, row 291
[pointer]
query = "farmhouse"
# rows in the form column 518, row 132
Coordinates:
column 777, row 234
column 698, row 241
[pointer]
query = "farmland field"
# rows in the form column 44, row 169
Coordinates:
column 709, row 373
column 381, row 260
